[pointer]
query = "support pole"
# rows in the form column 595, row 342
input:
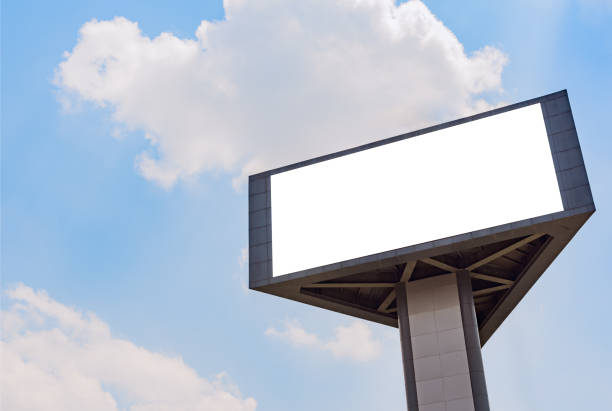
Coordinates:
column 440, row 344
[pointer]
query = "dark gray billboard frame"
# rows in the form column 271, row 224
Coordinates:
column 536, row 241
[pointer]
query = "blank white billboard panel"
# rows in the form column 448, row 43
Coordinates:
column 472, row 176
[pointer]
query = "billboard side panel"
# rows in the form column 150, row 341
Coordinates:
column 260, row 229
column 567, row 156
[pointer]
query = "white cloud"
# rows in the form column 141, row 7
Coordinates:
column 276, row 82
column 56, row 358
column 354, row 342
column 296, row 335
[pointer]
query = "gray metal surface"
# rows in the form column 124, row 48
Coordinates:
column 472, row 342
column 406, row 343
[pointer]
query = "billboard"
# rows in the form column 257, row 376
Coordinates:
column 498, row 194
column 435, row 185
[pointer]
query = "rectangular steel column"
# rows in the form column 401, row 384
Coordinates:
column 438, row 356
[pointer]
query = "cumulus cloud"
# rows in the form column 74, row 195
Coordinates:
column 353, row 342
column 57, row 358
column 276, row 82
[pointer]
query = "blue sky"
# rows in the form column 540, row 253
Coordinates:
column 153, row 248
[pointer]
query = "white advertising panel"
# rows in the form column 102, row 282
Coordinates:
column 472, row 176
